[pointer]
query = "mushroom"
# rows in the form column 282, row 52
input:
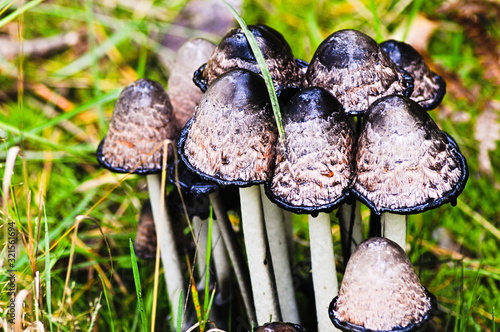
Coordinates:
column 429, row 87
column 141, row 121
column 312, row 174
column 405, row 164
column 355, row 70
column 234, row 52
column 145, row 239
column 380, row 291
column 279, row 327
column 231, row 140
column 184, row 94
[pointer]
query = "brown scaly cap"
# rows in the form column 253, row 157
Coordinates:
column 404, row 163
column 429, row 87
column 313, row 167
column 235, row 52
column 279, row 327
column 232, row 135
column 184, row 94
column 380, row 291
column 353, row 68
column 142, row 118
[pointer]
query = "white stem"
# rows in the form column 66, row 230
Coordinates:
column 323, row 268
column 258, row 256
column 235, row 254
column 200, row 228
column 276, row 235
column 351, row 227
column 168, row 251
column 222, row 266
column 394, row 228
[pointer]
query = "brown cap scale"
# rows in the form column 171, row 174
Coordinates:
column 145, row 239
column 313, row 168
column 380, row 291
column 279, row 327
column 184, row 94
column 353, row 68
column 231, row 137
column 142, row 118
column 404, row 163
column 429, row 87
column 234, row 52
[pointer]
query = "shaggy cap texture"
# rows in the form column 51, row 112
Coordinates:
column 429, row 88
column 141, row 120
column 353, row 68
column 234, row 52
column 279, row 327
column 313, row 168
column 232, row 136
column 380, row 291
column 404, row 162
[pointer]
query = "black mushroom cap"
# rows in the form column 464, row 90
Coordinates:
column 141, row 120
column 429, row 88
column 404, row 163
column 234, row 52
column 189, row 182
column 231, row 137
column 279, row 327
column 381, row 292
column 353, row 68
column 314, row 164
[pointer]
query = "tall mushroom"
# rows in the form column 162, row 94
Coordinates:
column 231, row 140
column 141, row 121
column 381, row 292
column 312, row 174
column 405, row 164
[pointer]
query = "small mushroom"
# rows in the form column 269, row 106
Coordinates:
column 145, row 239
column 429, row 87
column 355, row 70
column 404, row 163
column 231, row 140
column 279, row 327
column 313, row 168
column 381, row 291
column 234, row 52
column 184, row 94
column 142, row 120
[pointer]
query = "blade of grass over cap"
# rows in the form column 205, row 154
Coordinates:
column 263, row 68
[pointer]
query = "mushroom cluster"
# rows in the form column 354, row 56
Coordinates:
column 396, row 161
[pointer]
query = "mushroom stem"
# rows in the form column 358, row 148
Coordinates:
column 222, row 266
column 277, row 239
column 394, row 228
column 234, row 252
column 258, row 256
column 351, row 228
column 200, row 228
column 168, row 250
column 324, row 272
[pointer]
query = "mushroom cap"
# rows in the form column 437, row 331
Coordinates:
column 380, row 291
column 145, row 238
column 313, row 168
column 429, row 88
column 141, row 120
column 184, row 94
column 189, row 182
column 232, row 135
column 234, row 52
column 353, row 68
column 279, row 327
column 404, row 163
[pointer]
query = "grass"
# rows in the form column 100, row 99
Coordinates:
column 75, row 219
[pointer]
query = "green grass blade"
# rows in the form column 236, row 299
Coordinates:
column 137, row 282
column 264, row 70
column 108, row 305
column 19, row 11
